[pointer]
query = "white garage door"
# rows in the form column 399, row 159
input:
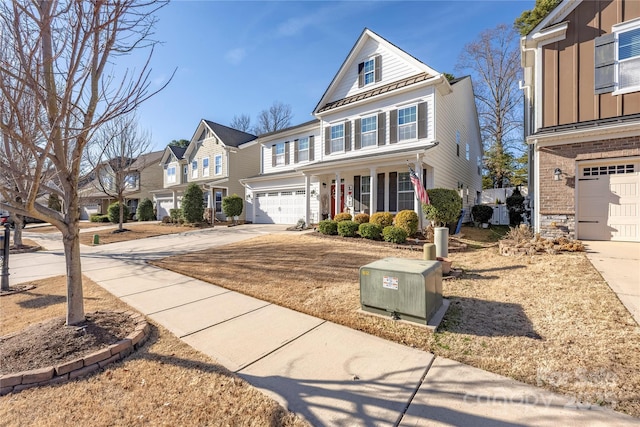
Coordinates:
column 609, row 201
column 163, row 206
column 279, row 207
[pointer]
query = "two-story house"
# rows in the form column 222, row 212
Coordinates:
column 139, row 177
column 216, row 158
column 582, row 120
column 383, row 113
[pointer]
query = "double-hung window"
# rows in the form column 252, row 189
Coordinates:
column 194, row 169
column 369, row 131
column 280, row 154
column 407, row 123
column 337, row 138
column 303, row 149
column 205, row 166
column 629, row 58
column 405, row 192
column 218, row 165
column 365, row 194
column 171, row 174
column 369, row 72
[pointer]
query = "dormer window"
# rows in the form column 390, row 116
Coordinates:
column 369, row 71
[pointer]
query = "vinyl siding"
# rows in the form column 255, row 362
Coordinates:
column 267, row 164
column 456, row 112
column 243, row 163
column 210, row 147
column 393, row 68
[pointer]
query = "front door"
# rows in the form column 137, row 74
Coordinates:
column 333, row 199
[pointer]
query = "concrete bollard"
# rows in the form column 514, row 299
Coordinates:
column 96, row 239
column 429, row 252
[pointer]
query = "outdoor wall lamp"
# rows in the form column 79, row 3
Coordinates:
column 324, row 184
column 556, row 174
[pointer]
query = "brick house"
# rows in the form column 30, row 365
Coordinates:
column 582, row 120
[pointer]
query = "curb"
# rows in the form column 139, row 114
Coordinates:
column 16, row 382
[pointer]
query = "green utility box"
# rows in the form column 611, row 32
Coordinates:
column 403, row 288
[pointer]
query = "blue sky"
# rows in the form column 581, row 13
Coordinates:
column 235, row 57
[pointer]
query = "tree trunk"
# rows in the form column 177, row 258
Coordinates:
column 71, row 241
column 17, row 231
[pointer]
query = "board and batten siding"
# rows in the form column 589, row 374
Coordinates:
column 456, row 112
column 393, row 68
column 568, row 67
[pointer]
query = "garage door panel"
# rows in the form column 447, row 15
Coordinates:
column 285, row 207
column 609, row 202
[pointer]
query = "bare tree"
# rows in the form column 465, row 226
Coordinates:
column 276, row 117
column 58, row 87
column 115, row 158
column 494, row 62
column 241, row 123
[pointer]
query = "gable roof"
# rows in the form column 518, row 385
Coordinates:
column 367, row 34
column 147, row 159
column 229, row 136
column 556, row 15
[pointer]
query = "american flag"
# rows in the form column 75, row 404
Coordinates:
column 421, row 193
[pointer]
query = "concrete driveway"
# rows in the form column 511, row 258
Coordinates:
column 619, row 265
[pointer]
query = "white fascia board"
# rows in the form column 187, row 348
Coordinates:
column 557, row 14
column 550, row 35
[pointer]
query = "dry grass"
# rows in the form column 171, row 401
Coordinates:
column 135, row 231
column 547, row 320
column 38, row 228
column 165, row 382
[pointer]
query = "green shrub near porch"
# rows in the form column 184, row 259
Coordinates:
column 114, row 213
column 328, row 227
column 348, row 228
column 394, row 234
column 370, row 231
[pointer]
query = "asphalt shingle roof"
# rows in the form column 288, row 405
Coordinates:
column 229, row 136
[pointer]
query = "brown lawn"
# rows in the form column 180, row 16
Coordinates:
column 165, row 382
column 547, row 320
column 135, row 230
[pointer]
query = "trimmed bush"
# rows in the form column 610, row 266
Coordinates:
column 193, row 204
column 383, row 219
column 408, row 221
column 370, row 231
column 328, row 227
column 515, row 203
column 444, row 208
column 175, row 215
column 394, row 234
column 343, row 216
column 482, row 213
column 348, row 228
column 232, row 205
column 98, row 218
column 114, row 213
column 361, row 218
column 166, row 219
column 145, row 210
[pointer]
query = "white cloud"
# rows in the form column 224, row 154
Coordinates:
column 235, row 56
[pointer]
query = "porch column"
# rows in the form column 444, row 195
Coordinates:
column 418, row 205
column 373, row 188
column 338, row 199
column 173, row 199
column 307, row 199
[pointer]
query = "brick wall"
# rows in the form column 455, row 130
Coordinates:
column 557, row 198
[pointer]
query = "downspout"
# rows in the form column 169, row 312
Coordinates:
column 532, row 177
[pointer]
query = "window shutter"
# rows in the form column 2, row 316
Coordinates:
column 380, row 194
column 393, row 126
column 286, row 153
column 273, row 156
column 347, row 136
column 393, row 191
column 356, row 193
column 361, row 74
column 295, row 151
column 605, row 57
column 424, row 178
column 327, row 140
column 311, row 148
column 382, row 127
column 378, row 67
column 358, row 130
column 422, row 120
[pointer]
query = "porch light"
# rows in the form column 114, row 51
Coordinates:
column 556, row 174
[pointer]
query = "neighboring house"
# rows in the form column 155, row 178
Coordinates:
column 582, row 120
column 383, row 112
column 142, row 176
column 216, row 158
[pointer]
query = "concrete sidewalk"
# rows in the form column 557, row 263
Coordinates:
column 329, row 374
column 619, row 265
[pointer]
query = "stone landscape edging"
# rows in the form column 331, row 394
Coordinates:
column 77, row 368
